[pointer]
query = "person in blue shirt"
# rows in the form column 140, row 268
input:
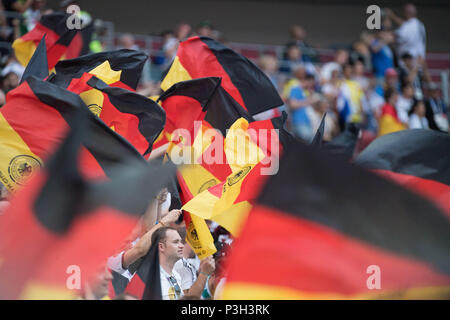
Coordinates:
column 300, row 97
column 382, row 55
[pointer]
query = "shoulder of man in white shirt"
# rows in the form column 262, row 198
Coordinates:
column 166, row 285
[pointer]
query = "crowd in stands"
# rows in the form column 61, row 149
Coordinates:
column 351, row 88
column 382, row 73
column 16, row 19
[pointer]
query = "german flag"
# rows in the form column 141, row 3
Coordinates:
column 60, row 41
column 318, row 137
column 146, row 282
column 200, row 57
column 38, row 65
column 417, row 159
column 389, row 121
column 251, row 150
column 34, row 121
column 344, row 144
column 324, row 229
column 186, row 102
column 208, row 168
column 136, row 118
column 119, row 68
column 61, row 221
column 242, row 156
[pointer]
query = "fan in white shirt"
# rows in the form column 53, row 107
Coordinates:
column 411, row 35
column 417, row 118
column 194, row 273
column 405, row 102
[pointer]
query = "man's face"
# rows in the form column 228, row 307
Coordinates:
column 11, row 81
column 409, row 11
column 409, row 62
column 348, row 71
column 298, row 32
column 173, row 246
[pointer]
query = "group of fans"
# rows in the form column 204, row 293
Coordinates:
column 381, row 80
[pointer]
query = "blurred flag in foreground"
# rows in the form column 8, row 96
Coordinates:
column 60, row 221
column 324, row 229
column 199, row 57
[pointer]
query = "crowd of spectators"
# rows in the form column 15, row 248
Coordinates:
column 17, row 17
column 351, row 88
column 382, row 69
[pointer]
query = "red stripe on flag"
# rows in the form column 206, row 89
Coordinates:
column 16, row 250
column 437, row 192
column 39, row 125
column 199, row 51
column 285, row 251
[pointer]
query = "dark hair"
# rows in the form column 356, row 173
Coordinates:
column 291, row 45
column 414, row 106
column 160, row 235
column 406, row 85
column 182, row 232
column 388, row 93
column 406, row 55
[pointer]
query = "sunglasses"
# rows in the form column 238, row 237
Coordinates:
column 173, row 282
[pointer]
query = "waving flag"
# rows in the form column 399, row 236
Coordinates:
column 119, row 68
column 324, row 229
column 344, row 144
column 389, row 121
column 38, row 65
column 204, row 101
column 34, row 121
column 136, row 118
column 185, row 103
column 200, row 57
column 248, row 148
column 146, row 282
column 60, row 219
column 417, row 159
column 61, row 42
